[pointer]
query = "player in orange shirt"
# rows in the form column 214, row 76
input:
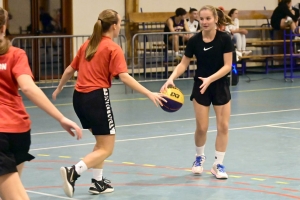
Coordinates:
column 14, row 120
column 98, row 60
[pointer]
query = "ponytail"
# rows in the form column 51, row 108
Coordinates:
column 105, row 20
column 94, row 40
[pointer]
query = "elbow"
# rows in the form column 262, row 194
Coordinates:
column 26, row 89
column 123, row 77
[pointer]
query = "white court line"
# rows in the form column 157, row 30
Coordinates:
column 50, row 195
column 181, row 120
column 285, row 127
column 162, row 136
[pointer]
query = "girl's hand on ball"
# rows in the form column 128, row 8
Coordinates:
column 166, row 85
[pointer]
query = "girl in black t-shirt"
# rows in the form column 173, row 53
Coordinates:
column 213, row 51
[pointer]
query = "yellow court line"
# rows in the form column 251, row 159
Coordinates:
column 232, row 176
column 128, row 163
column 64, row 156
column 148, row 165
column 43, row 155
column 284, row 183
column 258, row 179
column 141, row 99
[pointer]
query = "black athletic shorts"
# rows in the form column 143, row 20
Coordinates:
column 14, row 148
column 94, row 111
column 170, row 42
column 217, row 93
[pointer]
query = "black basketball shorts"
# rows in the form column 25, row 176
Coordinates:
column 217, row 93
column 14, row 148
column 94, row 111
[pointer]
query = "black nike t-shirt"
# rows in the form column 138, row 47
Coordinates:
column 209, row 55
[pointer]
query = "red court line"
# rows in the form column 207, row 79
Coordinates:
column 182, row 185
column 174, row 168
column 242, row 183
column 266, row 186
column 292, row 190
column 119, row 172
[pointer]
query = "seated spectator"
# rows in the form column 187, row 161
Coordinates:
column 238, row 33
column 177, row 23
column 284, row 16
column 193, row 21
column 223, row 26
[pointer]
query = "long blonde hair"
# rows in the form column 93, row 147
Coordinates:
column 4, row 43
column 223, row 19
column 105, row 20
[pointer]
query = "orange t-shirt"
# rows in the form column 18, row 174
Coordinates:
column 108, row 62
column 13, row 116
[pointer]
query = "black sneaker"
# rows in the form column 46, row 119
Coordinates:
column 69, row 176
column 100, row 187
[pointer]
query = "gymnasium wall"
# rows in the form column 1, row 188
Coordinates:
column 83, row 21
column 86, row 12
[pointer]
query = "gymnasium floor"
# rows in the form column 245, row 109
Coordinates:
column 154, row 150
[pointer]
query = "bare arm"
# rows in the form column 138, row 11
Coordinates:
column 225, row 69
column 36, row 95
column 179, row 69
column 68, row 73
column 242, row 31
column 170, row 25
column 219, row 74
column 133, row 84
column 186, row 26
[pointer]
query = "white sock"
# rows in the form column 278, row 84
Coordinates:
column 219, row 157
column 97, row 174
column 200, row 150
column 80, row 167
column 176, row 53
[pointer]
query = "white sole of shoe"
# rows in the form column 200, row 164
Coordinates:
column 68, row 189
column 105, row 191
column 217, row 176
column 197, row 170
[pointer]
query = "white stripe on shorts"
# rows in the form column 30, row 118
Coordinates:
column 109, row 112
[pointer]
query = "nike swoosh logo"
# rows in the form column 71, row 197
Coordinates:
column 100, row 186
column 72, row 180
column 207, row 48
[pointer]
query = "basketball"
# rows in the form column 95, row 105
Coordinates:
column 175, row 99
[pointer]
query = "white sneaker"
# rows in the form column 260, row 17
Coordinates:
column 288, row 21
column 198, row 164
column 218, row 171
column 246, row 53
column 238, row 55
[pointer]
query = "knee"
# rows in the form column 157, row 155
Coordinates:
column 201, row 130
column 175, row 37
column 108, row 151
column 223, row 128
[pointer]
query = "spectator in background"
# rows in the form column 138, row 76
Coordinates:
column 238, row 33
column 46, row 21
column 284, row 16
column 193, row 21
column 177, row 23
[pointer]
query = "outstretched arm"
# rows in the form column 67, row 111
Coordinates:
column 36, row 95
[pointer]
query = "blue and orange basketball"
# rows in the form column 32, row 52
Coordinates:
column 175, row 99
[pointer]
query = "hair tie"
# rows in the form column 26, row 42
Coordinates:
column 100, row 19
